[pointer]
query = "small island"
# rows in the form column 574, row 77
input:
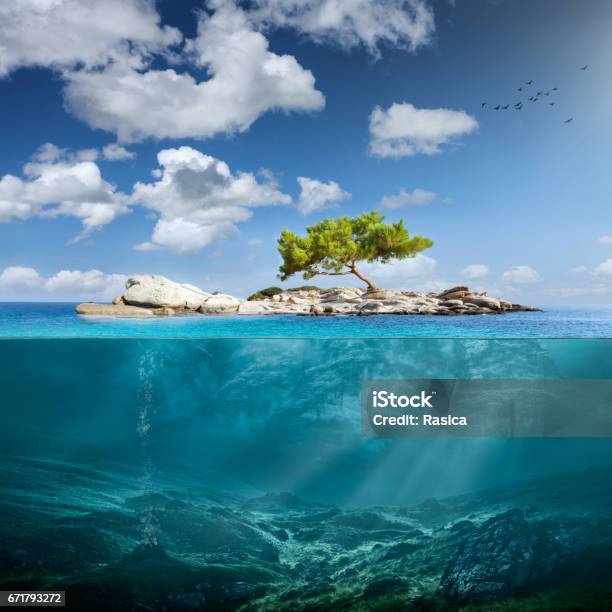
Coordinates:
column 332, row 247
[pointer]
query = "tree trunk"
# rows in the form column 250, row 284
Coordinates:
column 366, row 279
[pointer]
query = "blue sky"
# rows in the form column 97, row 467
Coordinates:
column 180, row 138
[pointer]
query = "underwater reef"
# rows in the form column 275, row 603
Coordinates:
column 542, row 544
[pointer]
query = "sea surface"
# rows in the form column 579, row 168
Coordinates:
column 42, row 320
column 219, row 463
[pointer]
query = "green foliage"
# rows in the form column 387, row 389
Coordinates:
column 304, row 288
column 334, row 246
column 268, row 292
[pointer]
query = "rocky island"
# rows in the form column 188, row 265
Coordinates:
column 152, row 295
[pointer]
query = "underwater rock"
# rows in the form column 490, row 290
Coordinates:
column 189, row 601
column 505, row 555
column 145, row 552
column 383, row 586
column 276, row 502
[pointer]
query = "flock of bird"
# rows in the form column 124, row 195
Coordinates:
column 540, row 95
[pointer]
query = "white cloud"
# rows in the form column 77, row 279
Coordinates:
column 66, row 33
column 245, row 81
column 87, row 155
column 404, row 130
column 66, row 283
column 417, row 197
column 199, row 200
column 316, row 195
column 254, row 242
column 604, row 268
column 20, row 277
column 57, row 183
column 570, row 292
column 115, row 152
column 92, row 283
column 397, row 273
column 604, row 240
column 403, row 23
column 475, row 271
column 521, row 275
column 579, row 270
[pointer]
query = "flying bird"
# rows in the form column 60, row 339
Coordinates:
column 569, row 120
column 497, row 107
column 506, row 107
column 529, row 82
column 584, row 67
column 539, row 93
column 555, row 89
column 551, row 103
column 483, row 105
column 520, row 89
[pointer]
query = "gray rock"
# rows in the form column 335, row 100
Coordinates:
column 482, row 301
column 254, row 307
column 454, row 292
column 220, row 303
column 164, row 312
column 503, row 556
column 113, row 310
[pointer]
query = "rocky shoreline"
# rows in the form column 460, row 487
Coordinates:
column 151, row 295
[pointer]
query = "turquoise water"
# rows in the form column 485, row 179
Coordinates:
column 202, row 463
column 60, row 320
column 281, row 414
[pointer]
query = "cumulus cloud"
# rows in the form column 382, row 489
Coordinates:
column 57, row 184
column 115, row 152
column 604, row 240
column 403, row 130
column 475, row 271
column 199, row 200
column 89, row 283
column 522, row 275
column 20, row 277
column 417, row 197
column 407, row 24
column 245, row 81
column 66, row 283
column 395, row 274
column 316, row 195
column 66, row 33
column 604, row 268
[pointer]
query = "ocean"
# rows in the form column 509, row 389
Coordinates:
column 219, row 464
column 39, row 319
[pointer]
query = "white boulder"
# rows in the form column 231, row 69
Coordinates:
column 220, row 303
column 158, row 291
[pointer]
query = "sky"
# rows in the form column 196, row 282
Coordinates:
column 180, row 138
